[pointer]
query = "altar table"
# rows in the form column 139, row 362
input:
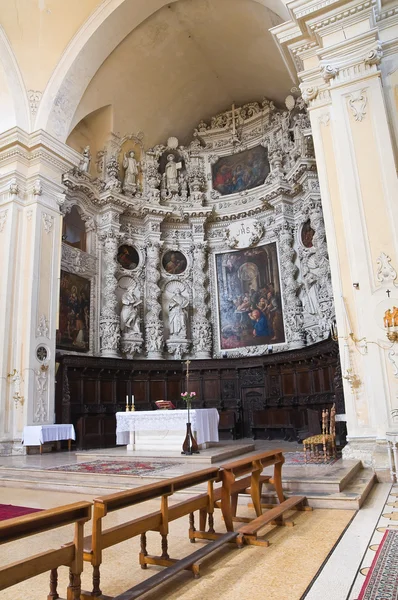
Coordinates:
column 165, row 429
column 37, row 435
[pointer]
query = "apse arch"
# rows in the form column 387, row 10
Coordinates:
column 15, row 105
column 97, row 38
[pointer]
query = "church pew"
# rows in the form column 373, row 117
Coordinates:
column 245, row 476
column 70, row 554
column 155, row 521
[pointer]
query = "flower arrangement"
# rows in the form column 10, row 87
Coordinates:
column 188, row 396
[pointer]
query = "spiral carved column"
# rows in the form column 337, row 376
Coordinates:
column 201, row 327
column 153, row 323
column 109, row 319
column 293, row 309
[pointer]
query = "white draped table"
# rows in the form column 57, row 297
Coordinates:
column 37, row 435
column 165, row 429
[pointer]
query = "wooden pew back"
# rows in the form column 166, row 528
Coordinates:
column 71, row 554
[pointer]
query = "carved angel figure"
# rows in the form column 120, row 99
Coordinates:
column 129, row 316
column 131, row 166
column 178, row 316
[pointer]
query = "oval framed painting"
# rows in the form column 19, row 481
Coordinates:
column 307, row 233
column 174, row 262
column 127, row 257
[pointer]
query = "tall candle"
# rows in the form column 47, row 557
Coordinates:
column 132, row 399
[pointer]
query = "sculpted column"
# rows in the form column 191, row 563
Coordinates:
column 293, row 309
column 201, row 327
column 109, row 318
column 153, row 322
column 338, row 53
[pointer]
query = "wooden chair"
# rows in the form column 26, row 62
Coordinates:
column 313, row 426
column 326, row 439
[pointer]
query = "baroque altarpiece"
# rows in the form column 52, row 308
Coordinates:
column 212, row 249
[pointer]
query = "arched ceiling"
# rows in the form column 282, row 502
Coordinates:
column 188, row 61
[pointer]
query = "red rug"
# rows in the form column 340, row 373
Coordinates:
column 9, row 511
column 381, row 582
column 117, row 467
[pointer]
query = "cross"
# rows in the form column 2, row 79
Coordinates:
column 388, row 292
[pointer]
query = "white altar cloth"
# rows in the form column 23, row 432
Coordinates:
column 36, row 435
column 164, row 424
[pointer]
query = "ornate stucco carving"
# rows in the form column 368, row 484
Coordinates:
column 357, row 102
column 385, row 271
column 182, row 211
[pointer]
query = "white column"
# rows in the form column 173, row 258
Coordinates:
column 338, row 60
column 31, row 167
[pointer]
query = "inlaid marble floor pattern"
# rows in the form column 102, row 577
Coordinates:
column 388, row 520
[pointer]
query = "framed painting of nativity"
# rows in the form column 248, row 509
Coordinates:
column 249, row 298
column 74, row 313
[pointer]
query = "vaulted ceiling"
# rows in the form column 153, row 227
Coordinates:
column 188, row 61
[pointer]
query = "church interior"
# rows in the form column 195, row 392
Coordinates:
column 198, row 310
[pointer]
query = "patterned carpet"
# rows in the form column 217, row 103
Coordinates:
column 296, row 459
column 382, row 579
column 9, row 511
column 117, row 467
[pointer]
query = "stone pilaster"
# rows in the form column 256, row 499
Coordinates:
column 30, row 246
column 337, row 52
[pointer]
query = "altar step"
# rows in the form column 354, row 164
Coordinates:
column 215, row 453
column 344, row 485
column 347, row 490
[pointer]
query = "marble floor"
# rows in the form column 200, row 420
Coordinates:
column 324, row 557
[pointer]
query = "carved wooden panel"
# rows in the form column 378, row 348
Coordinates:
column 91, row 390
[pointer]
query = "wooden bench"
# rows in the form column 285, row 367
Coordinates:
column 274, row 516
column 155, row 521
column 245, row 476
column 71, row 554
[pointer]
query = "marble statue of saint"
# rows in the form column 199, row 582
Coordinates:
column 171, row 171
column 131, row 172
column 129, row 316
column 178, row 316
column 84, row 164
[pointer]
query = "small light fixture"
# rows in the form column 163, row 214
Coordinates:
column 356, row 286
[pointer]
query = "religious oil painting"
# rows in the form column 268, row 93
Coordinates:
column 242, row 171
column 249, row 298
column 127, row 257
column 174, row 262
column 74, row 313
column 307, row 233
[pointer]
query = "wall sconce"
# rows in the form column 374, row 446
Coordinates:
column 390, row 321
column 356, row 286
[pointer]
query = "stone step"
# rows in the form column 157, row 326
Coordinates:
column 330, row 478
column 351, row 498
